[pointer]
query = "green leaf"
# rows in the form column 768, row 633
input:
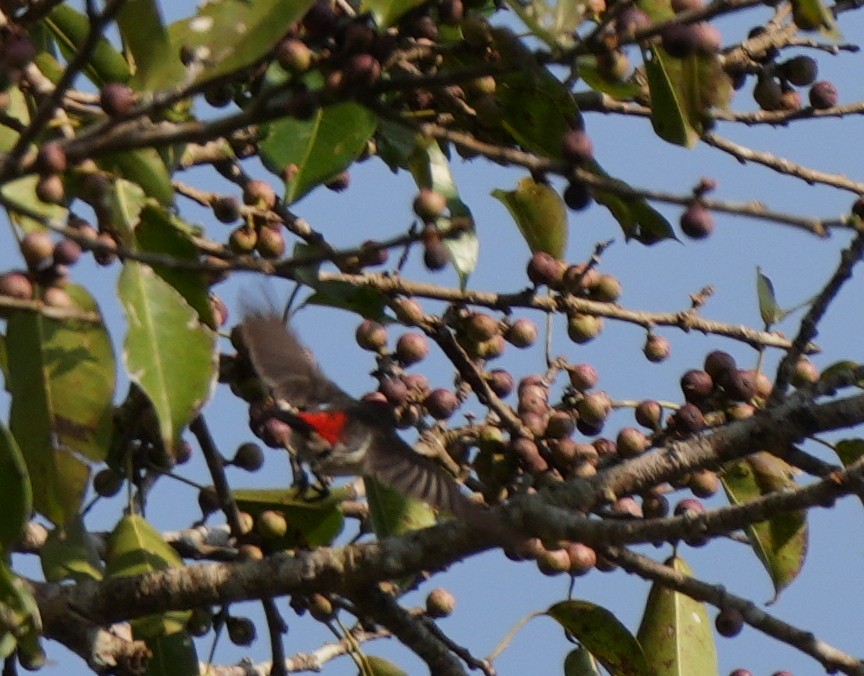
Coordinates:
column 815, row 15
column 378, row 666
column 393, row 513
column 683, row 92
column 625, row 90
column 62, row 376
column 143, row 167
column 173, row 655
column 396, row 143
column 840, row 367
column 431, row 169
column 16, row 110
column 676, row 633
column 22, row 191
column 768, row 308
column 157, row 64
column 69, row 553
column 540, row 214
column 168, row 352
column 309, row 152
column 19, row 610
column 364, row 300
column 781, row 542
column 580, row 662
column 70, row 29
column 16, row 496
column 849, row 451
column 313, row 520
column 603, row 635
column 388, row 12
column 135, row 548
column 234, row 34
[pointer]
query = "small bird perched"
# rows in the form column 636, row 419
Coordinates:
column 335, row 433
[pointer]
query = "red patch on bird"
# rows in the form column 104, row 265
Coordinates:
column 329, row 424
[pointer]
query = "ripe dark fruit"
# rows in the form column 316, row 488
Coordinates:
column 689, row 506
column 543, row 268
column 271, row 242
column 768, row 93
column 481, row 326
column 16, row 285
column 741, row 386
column 533, row 399
column 631, row 442
column 708, row 38
column 729, row 622
column 259, row 194
column 440, row 603
column 576, row 146
column 51, row 159
column 441, row 403
column 680, row 40
column 18, row 50
column 362, row 70
column 435, row 255
column 696, row 386
column 429, row 204
column 559, row 426
column 208, row 500
column 553, row 562
column 37, row 247
column 117, row 100
column 655, row 506
column 522, row 333
column 50, row 189
column 321, row 608
column 395, row 391
column 529, row 455
column 823, row 95
column 719, row 365
column 582, row 558
column 339, row 183
column 627, row 506
column 704, row 483
column 411, row 348
column 656, row 348
column 606, row 289
column 107, row 251
column 249, row 457
column 219, row 95
column 294, row 55
column 697, row 222
column 226, row 209
column 241, row 630
column 679, row 6
column 577, row 195
column 790, row 100
column 649, row 413
column 594, row 408
column 500, row 382
column 687, row 419
column 800, row 71
column 583, row 328
column 371, row 335
column 67, row 252
column 107, row 483
column 451, row 12
column 422, row 26
column 583, row 377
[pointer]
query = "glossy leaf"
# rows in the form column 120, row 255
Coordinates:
column 676, row 633
column 313, row 520
column 603, row 635
column 370, row 665
column 70, row 29
column 683, row 92
column 388, row 12
column 393, row 513
column 134, row 548
column 233, row 34
column 143, row 167
column 316, row 149
column 62, row 376
column 580, row 662
column 16, row 496
column 156, row 62
column 168, row 352
column 431, row 169
column 540, row 214
column 781, row 542
column 768, row 308
column 69, row 553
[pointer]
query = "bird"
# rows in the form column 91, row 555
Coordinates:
column 334, row 433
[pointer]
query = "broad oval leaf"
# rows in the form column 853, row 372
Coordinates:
column 540, row 214
column 580, row 662
column 393, row 513
column 768, row 308
column 143, row 167
column 168, row 352
column 70, row 29
column 16, row 496
column 135, row 548
column 232, row 34
column 603, row 635
column 306, row 153
column 313, row 521
column 371, row 665
column 69, row 553
column 676, row 633
column 157, row 64
column 781, row 542
column 61, row 376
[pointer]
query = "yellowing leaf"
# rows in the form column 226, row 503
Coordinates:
column 540, row 214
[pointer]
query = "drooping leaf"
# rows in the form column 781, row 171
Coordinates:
column 540, row 214
column 135, row 548
column 676, row 633
column 365, row 301
column 431, row 169
column 143, row 167
column 69, row 553
column 580, row 662
column 309, row 152
column 768, row 308
column 168, row 352
column 233, row 34
column 70, row 29
column 313, row 520
column 683, row 92
column 393, row 513
column 16, row 496
column 603, row 635
column 371, row 665
column 156, row 63
column 62, row 376
column 388, row 12
column 781, row 542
